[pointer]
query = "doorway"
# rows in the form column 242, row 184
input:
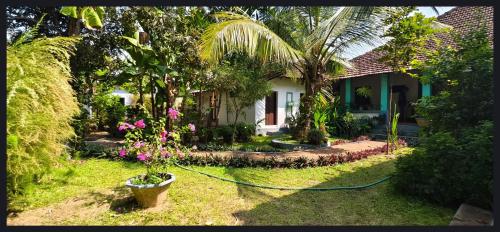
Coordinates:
column 400, row 101
column 271, row 108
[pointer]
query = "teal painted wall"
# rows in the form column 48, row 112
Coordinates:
column 384, row 92
column 426, row 90
column 348, row 93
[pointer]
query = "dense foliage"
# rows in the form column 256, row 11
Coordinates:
column 40, row 105
column 454, row 163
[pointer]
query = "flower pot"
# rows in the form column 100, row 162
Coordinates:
column 150, row 195
column 422, row 122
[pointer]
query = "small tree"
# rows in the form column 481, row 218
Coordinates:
column 409, row 32
column 245, row 83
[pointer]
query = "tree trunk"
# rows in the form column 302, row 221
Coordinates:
column 153, row 105
column 167, row 101
column 311, row 87
column 74, row 27
column 141, row 99
column 389, row 118
column 217, row 109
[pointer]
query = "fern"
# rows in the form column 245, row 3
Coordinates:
column 40, row 105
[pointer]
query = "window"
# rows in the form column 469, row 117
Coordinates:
column 122, row 100
column 362, row 97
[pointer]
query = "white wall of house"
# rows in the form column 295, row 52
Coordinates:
column 255, row 114
column 128, row 97
column 282, row 86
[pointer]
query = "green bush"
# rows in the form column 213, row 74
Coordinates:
column 316, row 136
column 40, row 106
column 450, row 171
column 110, row 112
column 206, row 135
column 244, row 132
column 227, row 134
column 453, row 163
column 347, row 126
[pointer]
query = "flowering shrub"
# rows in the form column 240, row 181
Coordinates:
column 298, row 162
column 154, row 149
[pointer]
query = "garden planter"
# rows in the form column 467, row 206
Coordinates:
column 422, row 122
column 150, row 195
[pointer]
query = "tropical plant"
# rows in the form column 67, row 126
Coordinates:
column 313, row 52
column 394, row 130
column 40, row 105
column 90, row 16
column 365, row 91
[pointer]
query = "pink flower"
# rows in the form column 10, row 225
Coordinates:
column 122, row 153
column 142, row 156
column 125, row 126
column 192, row 127
column 164, row 153
column 140, row 124
column 138, row 144
column 122, row 127
column 163, row 133
column 163, row 139
column 173, row 114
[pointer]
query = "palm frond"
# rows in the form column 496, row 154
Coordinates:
column 30, row 34
column 349, row 26
column 242, row 34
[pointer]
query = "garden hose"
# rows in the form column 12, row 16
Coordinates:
column 358, row 187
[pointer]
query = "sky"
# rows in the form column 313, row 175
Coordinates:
column 427, row 11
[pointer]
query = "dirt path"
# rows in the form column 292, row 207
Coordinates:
column 310, row 154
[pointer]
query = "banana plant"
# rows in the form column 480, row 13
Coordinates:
column 91, row 17
column 140, row 59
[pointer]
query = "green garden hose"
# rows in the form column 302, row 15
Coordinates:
column 358, row 187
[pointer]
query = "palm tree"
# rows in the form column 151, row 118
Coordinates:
column 310, row 42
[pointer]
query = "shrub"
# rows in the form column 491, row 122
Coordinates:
column 40, row 106
column 206, row 135
column 110, row 112
column 426, row 173
column 244, row 132
column 273, row 162
column 347, row 126
column 227, row 134
column 96, row 150
column 316, row 136
column 453, row 164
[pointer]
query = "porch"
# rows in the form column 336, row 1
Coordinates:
column 369, row 95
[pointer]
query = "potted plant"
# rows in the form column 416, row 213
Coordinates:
column 155, row 150
column 419, row 119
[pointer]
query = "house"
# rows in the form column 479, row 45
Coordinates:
column 368, row 75
column 126, row 98
column 268, row 114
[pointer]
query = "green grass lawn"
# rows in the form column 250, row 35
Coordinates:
column 261, row 143
column 196, row 199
